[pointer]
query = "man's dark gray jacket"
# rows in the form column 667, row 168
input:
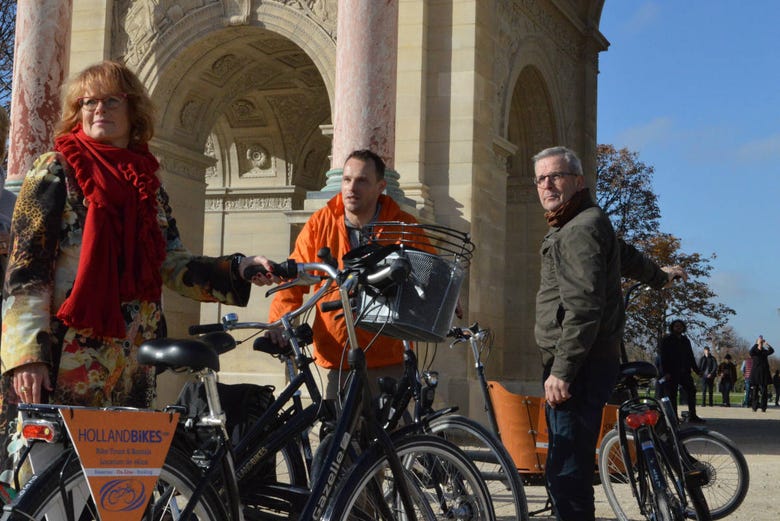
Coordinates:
column 579, row 306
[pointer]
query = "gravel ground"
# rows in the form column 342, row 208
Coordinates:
column 757, row 434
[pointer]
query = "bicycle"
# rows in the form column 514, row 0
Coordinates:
column 413, row 476
column 649, row 467
column 481, row 445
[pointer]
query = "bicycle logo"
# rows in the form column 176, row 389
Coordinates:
column 122, row 495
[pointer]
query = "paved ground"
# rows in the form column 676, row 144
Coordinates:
column 756, row 434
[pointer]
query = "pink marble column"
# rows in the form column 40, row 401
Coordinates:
column 366, row 56
column 40, row 67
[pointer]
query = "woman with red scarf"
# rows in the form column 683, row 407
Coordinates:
column 93, row 241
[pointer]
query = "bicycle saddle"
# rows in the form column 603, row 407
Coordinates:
column 172, row 353
column 639, row 369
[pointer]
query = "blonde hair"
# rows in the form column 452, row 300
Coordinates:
column 4, row 124
column 108, row 77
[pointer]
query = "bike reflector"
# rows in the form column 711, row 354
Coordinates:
column 648, row 417
column 40, row 430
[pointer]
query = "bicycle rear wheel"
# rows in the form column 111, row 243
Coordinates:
column 444, row 485
column 726, row 468
column 493, row 461
column 61, row 492
column 725, row 465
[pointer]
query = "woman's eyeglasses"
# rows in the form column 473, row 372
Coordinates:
column 90, row 104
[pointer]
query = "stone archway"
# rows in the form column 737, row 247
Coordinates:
column 531, row 126
column 242, row 97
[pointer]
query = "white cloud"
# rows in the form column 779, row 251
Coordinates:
column 764, row 149
column 655, row 131
column 645, row 16
column 730, row 286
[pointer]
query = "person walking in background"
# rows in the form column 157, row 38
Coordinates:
column 728, row 377
column 708, row 369
column 776, row 384
column 93, row 242
column 760, row 375
column 747, row 365
column 677, row 361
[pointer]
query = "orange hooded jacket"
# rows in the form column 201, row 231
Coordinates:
column 326, row 228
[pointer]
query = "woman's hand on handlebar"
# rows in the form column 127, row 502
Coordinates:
column 260, row 277
column 675, row 273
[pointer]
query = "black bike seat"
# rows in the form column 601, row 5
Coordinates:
column 172, row 353
column 639, row 369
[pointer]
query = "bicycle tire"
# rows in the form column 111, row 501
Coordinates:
column 493, row 461
column 444, row 484
column 41, row 498
column 729, row 477
column 662, row 508
column 726, row 467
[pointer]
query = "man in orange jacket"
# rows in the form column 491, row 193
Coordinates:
column 338, row 226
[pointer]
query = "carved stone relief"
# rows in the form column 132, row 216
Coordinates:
column 211, row 151
column 525, row 21
column 255, row 161
column 140, row 22
column 221, row 203
column 321, row 11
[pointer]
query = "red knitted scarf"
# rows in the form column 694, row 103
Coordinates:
column 122, row 246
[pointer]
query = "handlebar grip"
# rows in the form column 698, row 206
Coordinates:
column 331, row 305
column 205, row 328
column 285, row 270
column 397, row 272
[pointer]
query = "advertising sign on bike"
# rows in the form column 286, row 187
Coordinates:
column 121, row 452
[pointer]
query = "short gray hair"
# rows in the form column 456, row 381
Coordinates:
column 571, row 159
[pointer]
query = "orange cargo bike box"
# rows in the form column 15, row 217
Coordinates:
column 523, row 427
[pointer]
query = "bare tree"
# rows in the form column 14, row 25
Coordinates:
column 624, row 191
column 7, row 32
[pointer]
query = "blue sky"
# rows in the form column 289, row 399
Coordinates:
column 694, row 88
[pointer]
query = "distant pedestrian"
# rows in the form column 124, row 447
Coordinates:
column 728, row 376
column 708, row 368
column 776, row 383
column 677, row 361
column 760, row 375
column 747, row 365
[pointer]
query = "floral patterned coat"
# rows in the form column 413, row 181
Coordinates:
column 47, row 236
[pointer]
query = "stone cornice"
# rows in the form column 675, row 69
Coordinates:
column 253, row 200
column 178, row 160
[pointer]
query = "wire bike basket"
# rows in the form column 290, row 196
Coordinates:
column 421, row 308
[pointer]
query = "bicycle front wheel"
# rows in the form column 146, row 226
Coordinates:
column 491, row 459
column 443, row 484
column 61, row 493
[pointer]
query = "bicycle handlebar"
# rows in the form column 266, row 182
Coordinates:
column 284, row 270
column 309, row 273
